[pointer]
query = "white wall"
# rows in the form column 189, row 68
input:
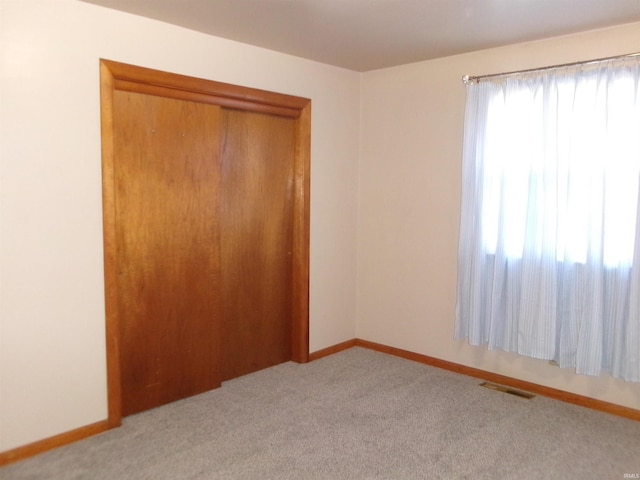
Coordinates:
column 52, row 345
column 412, row 119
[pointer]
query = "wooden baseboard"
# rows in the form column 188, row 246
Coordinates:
column 556, row 394
column 325, row 352
column 42, row 446
column 50, row 443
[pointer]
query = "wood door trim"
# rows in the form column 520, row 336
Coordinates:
column 300, row 329
column 154, row 82
column 119, row 76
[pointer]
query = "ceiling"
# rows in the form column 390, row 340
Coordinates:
column 370, row 34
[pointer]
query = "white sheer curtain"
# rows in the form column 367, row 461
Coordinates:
column 549, row 253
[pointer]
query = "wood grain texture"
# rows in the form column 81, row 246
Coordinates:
column 119, row 77
column 167, row 182
column 238, row 103
column 301, row 240
column 256, row 240
column 112, row 332
column 145, row 80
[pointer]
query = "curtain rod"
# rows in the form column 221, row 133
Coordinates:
column 476, row 78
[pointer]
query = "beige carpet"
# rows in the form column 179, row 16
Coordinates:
column 358, row 414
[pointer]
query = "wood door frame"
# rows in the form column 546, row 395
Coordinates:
column 119, row 76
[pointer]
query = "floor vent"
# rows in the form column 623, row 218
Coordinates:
column 510, row 391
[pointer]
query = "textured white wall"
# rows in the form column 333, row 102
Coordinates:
column 411, row 149
column 52, row 352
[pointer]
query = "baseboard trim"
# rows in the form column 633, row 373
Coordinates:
column 41, row 446
column 554, row 393
column 325, row 352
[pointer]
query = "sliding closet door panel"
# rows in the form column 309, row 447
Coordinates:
column 167, row 178
column 256, row 217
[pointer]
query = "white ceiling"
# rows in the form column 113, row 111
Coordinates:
column 369, row 34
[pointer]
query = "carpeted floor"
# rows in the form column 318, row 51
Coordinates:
column 357, row 414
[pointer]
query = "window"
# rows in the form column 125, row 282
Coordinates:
column 549, row 253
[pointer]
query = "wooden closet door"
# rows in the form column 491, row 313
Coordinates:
column 256, row 218
column 166, row 156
